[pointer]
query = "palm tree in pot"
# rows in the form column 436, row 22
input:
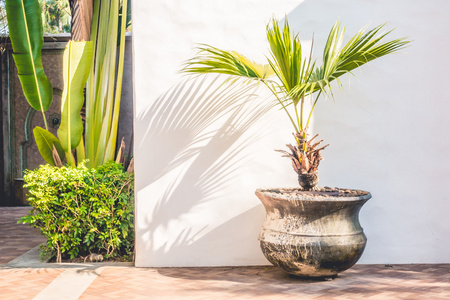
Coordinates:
column 308, row 231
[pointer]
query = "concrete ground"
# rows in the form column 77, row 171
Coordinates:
column 23, row 276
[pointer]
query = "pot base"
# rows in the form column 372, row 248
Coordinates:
column 313, row 257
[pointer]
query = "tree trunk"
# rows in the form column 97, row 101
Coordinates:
column 82, row 11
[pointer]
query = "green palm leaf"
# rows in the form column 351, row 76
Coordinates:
column 25, row 29
column 298, row 76
column 213, row 60
column 361, row 49
column 287, row 61
column 76, row 65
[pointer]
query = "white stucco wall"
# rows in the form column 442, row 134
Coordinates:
column 198, row 164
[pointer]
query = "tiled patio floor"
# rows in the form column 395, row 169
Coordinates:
column 118, row 282
column 19, row 283
column 363, row 281
column 16, row 239
column 122, row 281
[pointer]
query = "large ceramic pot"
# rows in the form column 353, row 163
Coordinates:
column 312, row 234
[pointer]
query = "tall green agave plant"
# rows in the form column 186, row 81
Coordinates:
column 93, row 62
column 293, row 78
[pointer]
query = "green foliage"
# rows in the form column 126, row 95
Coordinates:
column 45, row 141
column 76, row 64
column 56, row 16
column 297, row 75
column 3, row 20
column 290, row 66
column 214, row 60
column 104, row 86
column 99, row 60
column 81, row 210
column 25, row 29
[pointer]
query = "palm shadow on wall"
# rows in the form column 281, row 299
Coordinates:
column 194, row 133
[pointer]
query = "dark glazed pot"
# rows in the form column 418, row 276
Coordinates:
column 312, row 236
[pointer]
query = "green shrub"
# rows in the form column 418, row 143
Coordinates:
column 82, row 211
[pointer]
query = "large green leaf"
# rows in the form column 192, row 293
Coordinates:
column 105, row 82
column 25, row 29
column 112, row 138
column 76, row 65
column 45, row 141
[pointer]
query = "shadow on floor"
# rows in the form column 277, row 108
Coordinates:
column 16, row 239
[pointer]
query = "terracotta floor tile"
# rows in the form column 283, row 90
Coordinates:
column 368, row 281
column 25, row 283
column 263, row 282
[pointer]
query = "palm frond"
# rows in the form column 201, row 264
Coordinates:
column 297, row 74
column 213, row 60
column 359, row 50
column 286, row 51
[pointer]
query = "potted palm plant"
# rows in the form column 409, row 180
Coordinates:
column 308, row 231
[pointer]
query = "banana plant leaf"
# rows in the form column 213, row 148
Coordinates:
column 45, row 141
column 25, row 30
column 76, row 66
column 105, row 83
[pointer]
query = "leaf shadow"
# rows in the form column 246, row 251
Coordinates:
column 197, row 144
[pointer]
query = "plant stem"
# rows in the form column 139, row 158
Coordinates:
column 301, row 111
column 45, row 121
column 282, row 105
column 312, row 108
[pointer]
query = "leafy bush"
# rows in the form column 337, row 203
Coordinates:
column 82, row 211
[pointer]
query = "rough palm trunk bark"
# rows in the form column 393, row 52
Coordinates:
column 82, row 11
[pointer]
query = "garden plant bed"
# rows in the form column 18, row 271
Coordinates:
column 86, row 259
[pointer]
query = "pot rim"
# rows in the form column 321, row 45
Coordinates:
column 271, row 192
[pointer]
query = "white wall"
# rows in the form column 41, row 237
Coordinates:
column 198, row 164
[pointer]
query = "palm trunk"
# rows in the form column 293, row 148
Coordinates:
column 82, row 11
